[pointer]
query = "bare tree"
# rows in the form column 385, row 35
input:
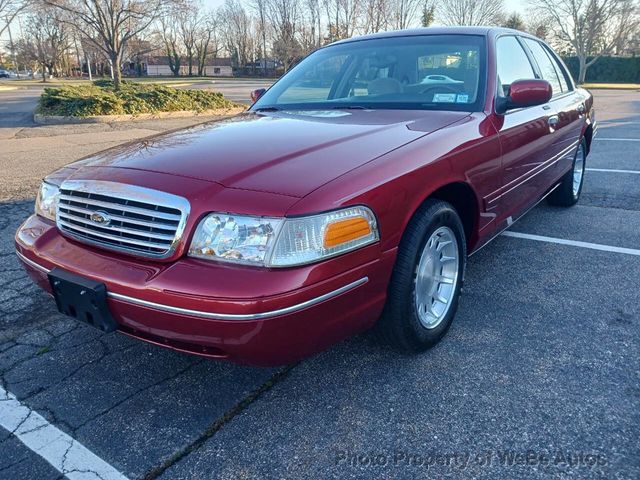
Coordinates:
column 169, row 34
column 9, row 10
column 260, row 7
column 236, row 31
column 428, row 13
column 403, row 13
column 27, row 53
column 376, row 14
column 470, row 12
column 50, row 37
column 342, row 17
column 189, row 22
column 285, row 16
column 314, row 22
column 114, row 22
column 514, row 21
column 207, row 43
column 592, row 28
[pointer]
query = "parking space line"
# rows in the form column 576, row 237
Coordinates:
column 573, row 243
column 611, row 170
column 618, row 139
column 64, row 453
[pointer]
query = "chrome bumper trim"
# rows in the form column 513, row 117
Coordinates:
column 212, row 315
column 31, row 263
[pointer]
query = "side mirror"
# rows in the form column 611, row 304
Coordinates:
column 525, row 93
column 256, row 94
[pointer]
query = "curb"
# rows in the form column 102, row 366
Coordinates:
column 61, row 120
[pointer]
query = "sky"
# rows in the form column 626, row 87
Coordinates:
column 510, row 6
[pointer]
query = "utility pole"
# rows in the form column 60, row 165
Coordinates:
column 88, row 66
column 13, row 50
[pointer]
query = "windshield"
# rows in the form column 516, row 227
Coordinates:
column 435, row 72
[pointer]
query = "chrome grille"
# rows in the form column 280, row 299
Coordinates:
column 122, row 217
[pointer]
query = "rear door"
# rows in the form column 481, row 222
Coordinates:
column 566, row 102
column 525, row 135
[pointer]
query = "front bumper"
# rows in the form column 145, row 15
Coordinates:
column 244, row 314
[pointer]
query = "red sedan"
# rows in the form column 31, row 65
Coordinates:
column 349, row 195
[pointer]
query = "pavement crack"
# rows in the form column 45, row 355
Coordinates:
column 220, row 422
column 137, row 392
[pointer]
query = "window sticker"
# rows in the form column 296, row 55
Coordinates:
column 444, row 97
column 462, row 98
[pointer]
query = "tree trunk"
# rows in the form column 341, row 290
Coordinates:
column 115, row 70
column 582, row 75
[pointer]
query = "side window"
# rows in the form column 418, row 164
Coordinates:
column 562, row 72
column 547, row 68
column 513, row 63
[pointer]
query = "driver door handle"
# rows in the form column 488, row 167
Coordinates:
column 553, row 121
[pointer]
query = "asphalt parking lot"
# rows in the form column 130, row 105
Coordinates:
column 538, row 377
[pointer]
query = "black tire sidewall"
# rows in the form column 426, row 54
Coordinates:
column 576, row 196
column 401, row 306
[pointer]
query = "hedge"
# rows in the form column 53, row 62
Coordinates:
column 608, row 69
column 100, row 98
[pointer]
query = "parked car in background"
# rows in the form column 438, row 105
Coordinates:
column 4, row 73
column 328, row 208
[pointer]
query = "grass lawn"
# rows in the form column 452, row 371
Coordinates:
column 133, row 98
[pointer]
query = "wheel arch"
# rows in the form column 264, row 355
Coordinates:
column 464, row 200
column 588, row 136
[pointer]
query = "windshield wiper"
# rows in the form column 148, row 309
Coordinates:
column 350, row 107
column 267, row 109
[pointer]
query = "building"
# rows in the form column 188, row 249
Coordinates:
column 214, row 67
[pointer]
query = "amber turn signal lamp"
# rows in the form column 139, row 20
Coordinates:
column 342, row 231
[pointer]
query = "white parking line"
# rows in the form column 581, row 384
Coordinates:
column 610, row 170
column 618, row 139
column 573, row 243
column 63, row 452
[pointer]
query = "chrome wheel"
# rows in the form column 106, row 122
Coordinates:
column 578, row 170
column 436, row 277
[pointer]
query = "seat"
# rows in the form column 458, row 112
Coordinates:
column 383, row 86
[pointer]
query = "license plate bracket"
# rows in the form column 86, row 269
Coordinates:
column 82, row 298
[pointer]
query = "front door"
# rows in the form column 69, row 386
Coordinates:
column 526, row 137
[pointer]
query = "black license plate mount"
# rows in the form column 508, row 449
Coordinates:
column 82, row 298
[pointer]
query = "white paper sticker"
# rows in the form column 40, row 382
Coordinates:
column 444, row 97
column 462, row 98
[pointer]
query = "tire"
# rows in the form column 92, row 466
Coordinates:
column 568, row 192
column 405, row 322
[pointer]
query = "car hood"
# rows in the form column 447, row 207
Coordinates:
column 288, row 153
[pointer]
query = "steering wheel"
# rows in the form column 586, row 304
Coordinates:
column 438, row 87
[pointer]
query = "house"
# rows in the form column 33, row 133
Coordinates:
column 214, row 67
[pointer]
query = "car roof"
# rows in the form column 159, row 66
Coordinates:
column 460, row 30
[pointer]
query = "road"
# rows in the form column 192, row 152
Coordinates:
column 16, row 107
column 538, row 377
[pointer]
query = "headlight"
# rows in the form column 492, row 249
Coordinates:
column 47, row 201
column 234, row 238
column 283, row 242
